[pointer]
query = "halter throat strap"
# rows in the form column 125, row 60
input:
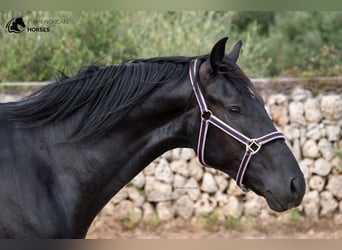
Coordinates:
column 252, row 145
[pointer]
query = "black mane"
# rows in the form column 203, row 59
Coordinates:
column 106, row 93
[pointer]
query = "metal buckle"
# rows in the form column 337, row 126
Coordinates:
column 254, row 146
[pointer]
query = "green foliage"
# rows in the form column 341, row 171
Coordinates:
column 141, row 191
column 153, row 222
column 295, row 215
column 339, row 155
column 129, row 222
column 275, row 43
column 87, row 37
column 242, row 20
column 232, row 222
column 210, row 221
column 304, row 43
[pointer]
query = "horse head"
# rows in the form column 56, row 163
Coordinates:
column 237, row 136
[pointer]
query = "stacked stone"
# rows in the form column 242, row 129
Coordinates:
column 312, row 126
column 176, row 185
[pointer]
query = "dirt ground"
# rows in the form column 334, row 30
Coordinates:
column 103, row 228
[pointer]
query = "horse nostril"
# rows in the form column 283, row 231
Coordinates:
column 295, row 186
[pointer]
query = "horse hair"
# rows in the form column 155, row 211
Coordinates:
column 107, row 94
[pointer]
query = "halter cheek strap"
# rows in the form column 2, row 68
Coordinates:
column 207, row 117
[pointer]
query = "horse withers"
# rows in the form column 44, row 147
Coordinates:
column 67, row 149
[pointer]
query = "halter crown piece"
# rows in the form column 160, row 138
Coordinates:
column 207, row 117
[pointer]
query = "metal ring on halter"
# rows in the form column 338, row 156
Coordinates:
column 206, row 115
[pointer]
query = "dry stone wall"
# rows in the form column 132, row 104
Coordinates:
column 312, row 126
column 177, row 185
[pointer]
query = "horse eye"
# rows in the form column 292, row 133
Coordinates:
column 234, row 110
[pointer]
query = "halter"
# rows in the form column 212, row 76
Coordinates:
column 252, row 145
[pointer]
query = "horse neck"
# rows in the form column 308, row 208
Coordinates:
column 157, row 125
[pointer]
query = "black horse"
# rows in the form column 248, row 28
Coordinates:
column 66, row 150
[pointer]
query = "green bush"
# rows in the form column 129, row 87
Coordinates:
column 304, row 43
column 87, row 38
column 275, row 43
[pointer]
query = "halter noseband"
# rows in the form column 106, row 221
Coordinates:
column 252, row 145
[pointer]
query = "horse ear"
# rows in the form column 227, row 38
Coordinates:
column 235, row 52
column 217, row 53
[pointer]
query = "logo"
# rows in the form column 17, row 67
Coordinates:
column 34, row 25
column 16, row 25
